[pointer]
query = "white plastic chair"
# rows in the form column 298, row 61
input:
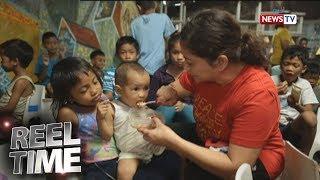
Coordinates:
column 244, row 172
column 316, row 143
column 33, row 105
column 298, row 165
column 275, row 70
column 46, row 114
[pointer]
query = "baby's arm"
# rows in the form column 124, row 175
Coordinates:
column 17, row 91
column 127, row 168
column 105, row 117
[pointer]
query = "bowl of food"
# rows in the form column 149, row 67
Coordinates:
column 141, row 117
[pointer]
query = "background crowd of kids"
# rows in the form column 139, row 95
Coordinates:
column 157, row 62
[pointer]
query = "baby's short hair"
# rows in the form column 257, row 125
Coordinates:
column 123, row 69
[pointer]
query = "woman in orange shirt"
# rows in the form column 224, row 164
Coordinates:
column 236, row 104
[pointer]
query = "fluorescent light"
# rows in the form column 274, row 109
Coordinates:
column 177, row 4
column 164, row 2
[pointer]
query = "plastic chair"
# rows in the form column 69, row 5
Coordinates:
column 316, row 143
column 34, row 104
column 46, row 114
column 244, row 172
column 298, row 165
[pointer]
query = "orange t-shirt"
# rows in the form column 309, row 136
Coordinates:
column 244, row 112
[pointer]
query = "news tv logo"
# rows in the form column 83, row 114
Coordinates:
column 278, row 19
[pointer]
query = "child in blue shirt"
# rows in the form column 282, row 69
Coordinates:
column 98, row 61
column 150, row 29
column 127, row 50
column 48, row 58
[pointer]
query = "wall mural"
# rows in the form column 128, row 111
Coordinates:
column 79, row 40
column 108, row 38
column 61, row 8
column 17, row 25
column 124, row 13
column 31, row 6
column 104, row 10
column 107, row 20
column 66, row 38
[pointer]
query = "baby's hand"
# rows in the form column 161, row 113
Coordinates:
column 45, row 58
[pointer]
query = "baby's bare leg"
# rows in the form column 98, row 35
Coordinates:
column 127, row 168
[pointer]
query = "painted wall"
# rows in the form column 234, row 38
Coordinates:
column 109, row 20
column 16, row 25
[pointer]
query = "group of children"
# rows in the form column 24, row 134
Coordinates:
column 98, row 101
column 78, row 89
column 298, row 119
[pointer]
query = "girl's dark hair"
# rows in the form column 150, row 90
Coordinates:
column 213, row 32
column 127, row 40
column 17, row 49
column 65, row 75
column 175, row 37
